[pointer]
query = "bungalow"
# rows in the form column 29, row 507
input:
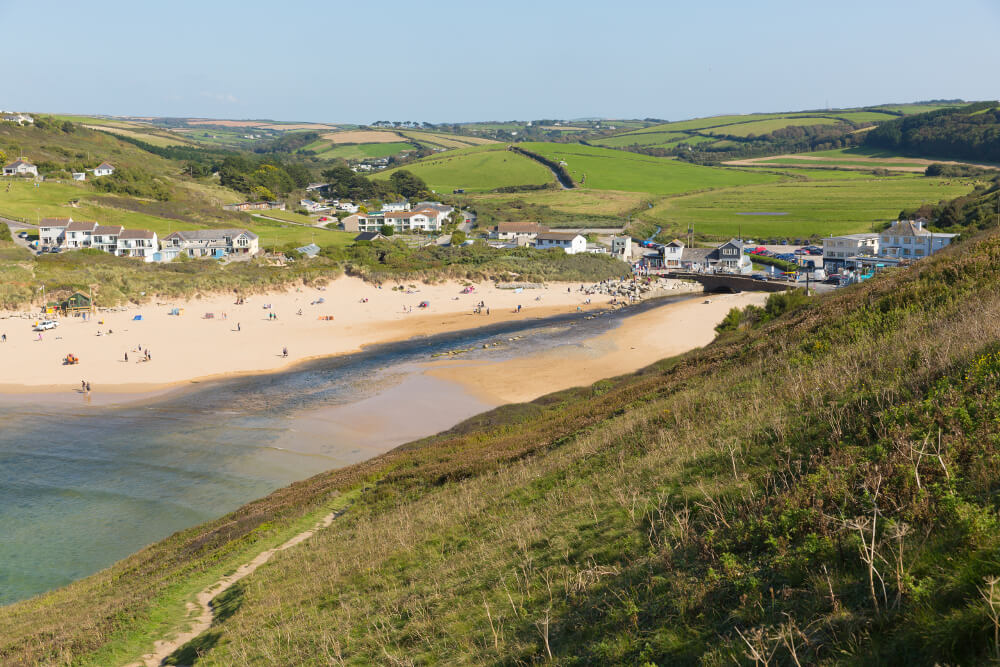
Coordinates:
column 255, row 206
column 212, row 242
column 570, row 243
column 78, row 234
column 140, row 243
column 20, row 168
column 908, row 239
column 515, row 231
column 52, row 231
column 105, row 237
column 103, row 169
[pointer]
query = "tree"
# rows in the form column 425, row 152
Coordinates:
column 407, row 184
column 387, row 230
column 3, row 158
column 458, row 237
column 260, row 193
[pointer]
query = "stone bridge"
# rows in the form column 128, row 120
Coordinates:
column 730, row 284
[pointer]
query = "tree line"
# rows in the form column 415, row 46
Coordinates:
column 967, row 133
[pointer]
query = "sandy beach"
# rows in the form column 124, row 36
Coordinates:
column 639, row 341
column 251, row 337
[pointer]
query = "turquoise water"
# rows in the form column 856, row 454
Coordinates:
column 84, row 486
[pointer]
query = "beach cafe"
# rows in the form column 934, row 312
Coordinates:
column 75, row 304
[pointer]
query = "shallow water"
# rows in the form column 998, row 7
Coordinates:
column 83, row 486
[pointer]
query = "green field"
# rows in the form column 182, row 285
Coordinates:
column 866, row 116
column 813, row 208
column 910, row 109
column 768, row 126
column 608, row 169
column 476, row 169
column 832, row 174
column 361, row 151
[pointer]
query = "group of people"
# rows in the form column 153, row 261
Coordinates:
column 85, row 386
column 146, row 356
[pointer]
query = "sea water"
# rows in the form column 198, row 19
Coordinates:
column 84, row 486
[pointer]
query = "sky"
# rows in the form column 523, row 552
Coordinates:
column 453, row 61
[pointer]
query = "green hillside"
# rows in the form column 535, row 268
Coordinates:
column 605, row 169
column 817, row 487
column 477, row 169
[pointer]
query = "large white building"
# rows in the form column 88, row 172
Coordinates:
column 52, row 231
column 568, row 242
column 838, row 249
column 908, row 239
column 211, row 243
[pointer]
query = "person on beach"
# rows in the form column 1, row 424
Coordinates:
column 87, row 387
column 83, row 385
column 519, row 308
column 3, row 338
column 237, row 326
column 284, row 352
column 487, row 311
column 126, row 357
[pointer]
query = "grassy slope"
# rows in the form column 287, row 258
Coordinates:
column 607, row 169
column 476, row 169
column 814, row 207
column 677, row 516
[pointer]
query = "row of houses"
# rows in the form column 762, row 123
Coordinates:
column 728, row 257
column 424, row 217
column 533, row 234
column 23, row 168
column 69, row 234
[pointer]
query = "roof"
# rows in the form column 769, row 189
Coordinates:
column 18, row 163
column 104, row 165
column 108, row 229
column 513, row 227
column 55, row 222
column 312, row 249
column 676, row 243
column 558, row 236
column 436, row 205
column 81, row 226
column 210, row 234
column 697, row 255
column 856, row 237
column 368, row 236
column 136, row 234
column 907, row 228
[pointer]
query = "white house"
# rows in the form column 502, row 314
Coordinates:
column 516, row 231
column 79, row 175
column 837, row 249
column 728, row 257
column 19, row 118
column 405, row 221
column 396, row 206
column 103, row 169
column 211, row 243
column 105, row 237
column 621, row 247
column 348, row 207
column 140, row 243
column 313, row 206
column 78, row 234
column 570, row 243
column 907, row 239
column 20, row 168
column 52, row 231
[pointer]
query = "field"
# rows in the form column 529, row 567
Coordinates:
column 811, row 208
column 360, row 151
column 861, row 158
column 574, row 202
column 442, row 140
column 477, row 169
column 606, row 169
column 768, row 126
column 150, row 136
column 361, row 137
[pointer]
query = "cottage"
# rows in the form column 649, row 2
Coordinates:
column 52, row 231
column 515, row 231
column 728, row 257
column 20, row 168
column 211, row 243
column 570, row 243
column 78, row 234
column 140, row 243
column 908, row 239
column 103, row 169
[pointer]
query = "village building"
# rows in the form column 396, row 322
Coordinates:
column 140, row 243
column 621, row 247
column 909, row 239
column 255, row 206
column 52, row 231
column 369, row 236
column 105, row 237
column 838, row 249
column 19, row 118
column 568, row 242
column 314, row 206
column 215, row 243
column 103, row 169
column 79, row 175
column 20, row 168
column 727, row 257
column 78, row 234
column 364, row 222
column 516, row 231
column 396, row 206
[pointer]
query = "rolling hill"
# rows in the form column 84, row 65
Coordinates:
column 817, row 486
column 477, row 169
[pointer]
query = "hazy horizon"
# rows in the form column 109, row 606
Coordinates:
column 334, row 62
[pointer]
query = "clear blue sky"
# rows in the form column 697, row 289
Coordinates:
column 456, row 61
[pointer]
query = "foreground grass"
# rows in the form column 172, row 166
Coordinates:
column 816, row 490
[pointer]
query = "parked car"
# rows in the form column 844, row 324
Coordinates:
column 22, row 235
column 54, row 250
column 45, row 325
